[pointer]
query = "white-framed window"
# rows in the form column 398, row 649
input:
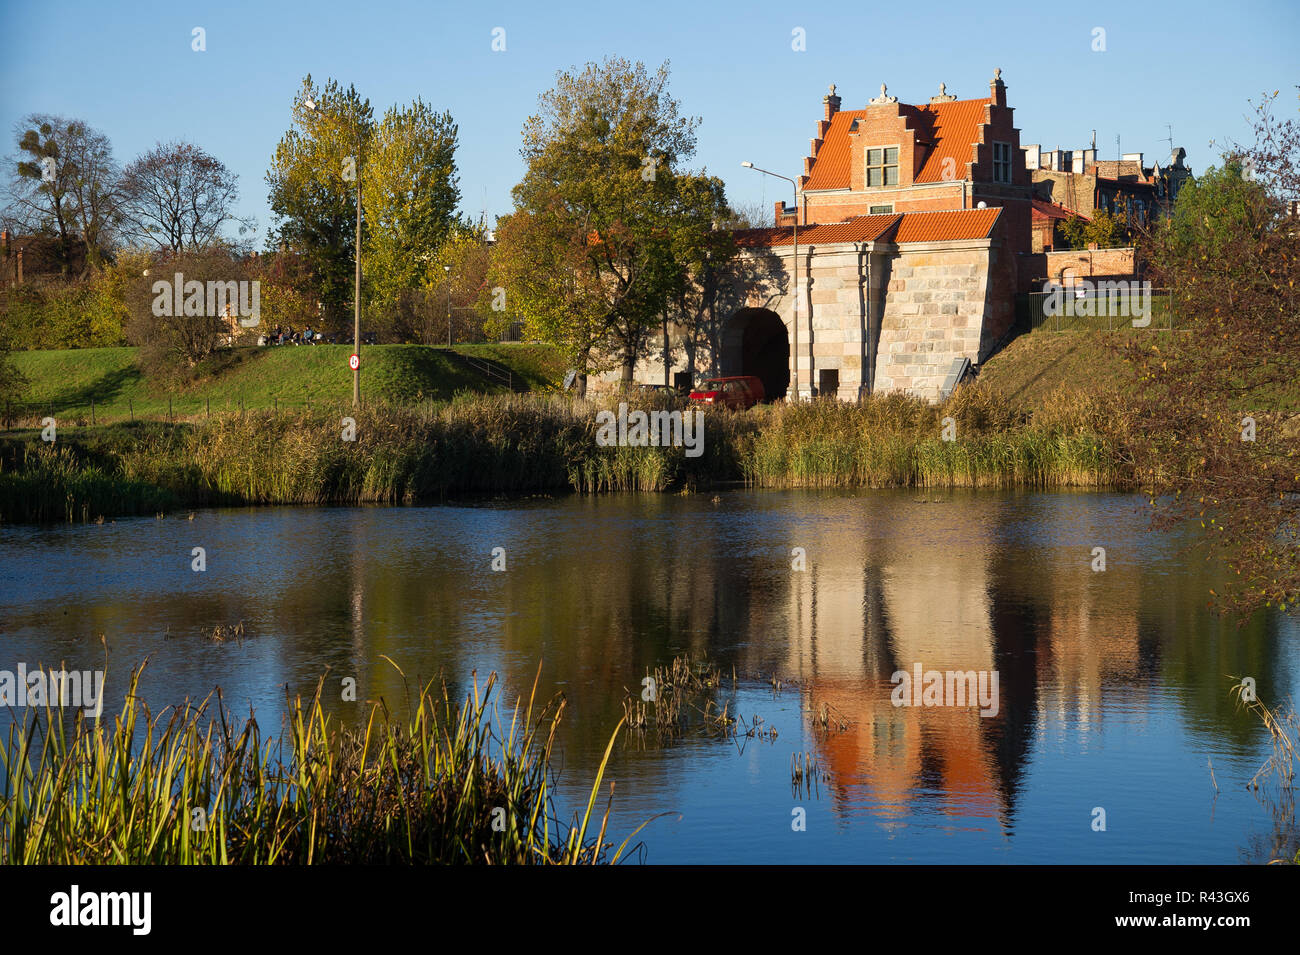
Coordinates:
column 885, row 210
column 1001, row 162
column 882, row 166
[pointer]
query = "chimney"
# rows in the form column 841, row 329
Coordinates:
column 998, row 89
column 831, row 104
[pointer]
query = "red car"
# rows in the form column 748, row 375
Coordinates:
column 739, row 392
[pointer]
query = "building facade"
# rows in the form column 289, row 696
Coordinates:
column 910, row 222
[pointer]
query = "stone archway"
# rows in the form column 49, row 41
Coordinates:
column 755, row 342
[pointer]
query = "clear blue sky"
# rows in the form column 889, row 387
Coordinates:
column 128, row 69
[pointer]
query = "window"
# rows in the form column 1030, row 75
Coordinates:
column 1001, row 162
column 884, row 210
column 828, row 382
column 882, row 166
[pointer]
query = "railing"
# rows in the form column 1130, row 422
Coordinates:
column 31, row 414
column 1095, row 309
column 488, row 369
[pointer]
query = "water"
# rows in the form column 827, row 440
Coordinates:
column 1113, row 686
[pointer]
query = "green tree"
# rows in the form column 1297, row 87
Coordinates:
column 313, row 179
column 1108, row 230
column 410, row 194
column 586, row 255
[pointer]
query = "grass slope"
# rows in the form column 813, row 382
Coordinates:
column 67, row 381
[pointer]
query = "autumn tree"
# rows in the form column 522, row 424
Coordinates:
column 586, row 254
column 1216, row 429
column 66, row 183
column 313, row 181
column 410, row 194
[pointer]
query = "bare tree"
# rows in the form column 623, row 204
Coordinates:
column 64, row 183
column 179, row 198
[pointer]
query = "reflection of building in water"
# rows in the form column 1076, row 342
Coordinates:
column 1091, row 632
column 864, row 610
column 950, row 591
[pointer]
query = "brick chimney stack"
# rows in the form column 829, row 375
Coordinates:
column 831, row 102
column 998, row 89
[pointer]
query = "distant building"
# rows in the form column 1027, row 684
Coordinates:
column 27, row 257
column 1078, row 181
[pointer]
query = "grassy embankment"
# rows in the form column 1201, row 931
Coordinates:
column 1049, row 411
column 451, row 784
column 68, row 383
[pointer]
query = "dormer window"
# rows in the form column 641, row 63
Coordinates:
column 882, row 166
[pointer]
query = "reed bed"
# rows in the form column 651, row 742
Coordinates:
column 525, row 444
column 451, row 784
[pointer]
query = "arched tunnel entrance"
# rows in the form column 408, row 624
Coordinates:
column 755, row 342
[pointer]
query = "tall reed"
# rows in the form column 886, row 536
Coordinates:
column 451, row 785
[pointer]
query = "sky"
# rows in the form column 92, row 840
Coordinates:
column 130, row 70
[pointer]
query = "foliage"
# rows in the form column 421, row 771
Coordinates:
column 1215, row 445
column 1108, row 230
column 410, row 196
column 586, row 255
column 313, row 180
column 423, row 790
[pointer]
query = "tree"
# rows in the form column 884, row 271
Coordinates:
column 178, row 198
column 41, row 185
column 175, row 315
column 703, row 255
column 67, row 182
column 1215, row 427
column 410, row 196
column 585, row 256
column 313, row 181
column 1108, row 230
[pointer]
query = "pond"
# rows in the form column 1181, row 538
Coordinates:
column 1113, row 686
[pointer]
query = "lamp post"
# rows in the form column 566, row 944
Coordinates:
column 447, row 269
column 794, row 378
column 356, row 295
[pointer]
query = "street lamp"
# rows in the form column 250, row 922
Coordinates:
column 795, row 186
column 447, row 269
column 356, row 295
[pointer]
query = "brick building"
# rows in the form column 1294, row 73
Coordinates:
column 1078, row 181
column 911, row 219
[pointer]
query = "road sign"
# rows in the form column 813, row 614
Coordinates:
column 354, row 362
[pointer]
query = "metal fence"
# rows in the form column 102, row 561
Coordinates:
column 16, row 415
column 1095, row 308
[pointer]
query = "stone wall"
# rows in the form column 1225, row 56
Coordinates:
column 884, row 317
column 936, row 309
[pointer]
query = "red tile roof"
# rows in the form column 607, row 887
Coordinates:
column 899, row 227
column 1050, row 210
column 951, row 127
column 947, row 226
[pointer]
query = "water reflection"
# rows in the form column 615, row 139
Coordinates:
column 1113, row 686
